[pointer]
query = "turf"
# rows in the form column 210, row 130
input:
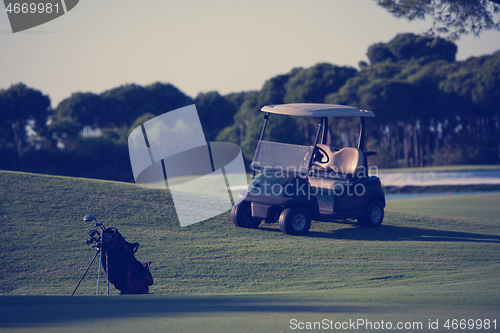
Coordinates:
column 484, row 206
column 212, row 276
column 256, row 312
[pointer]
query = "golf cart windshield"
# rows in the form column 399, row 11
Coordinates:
column 282, row 157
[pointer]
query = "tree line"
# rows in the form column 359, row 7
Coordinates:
column 430, row 110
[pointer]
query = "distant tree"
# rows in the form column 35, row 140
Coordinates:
column 300, row 85
column 237, row 99
column 311, row 85
column 166, row 97
column 451, row 18
column 249, row 108
column 215, row 113
column 475, row 87
column 280, row 128
column 5, row 127
column 115, row 109
column 247, row 105
column 141, row 120
column 125, row 103
column 410, row 47
column 74, row 113
column 21, row 108
column 430, row 110
column 477, row 79
column 274, row 89
column 362, row 65
column 234, row 133
column 380, row 53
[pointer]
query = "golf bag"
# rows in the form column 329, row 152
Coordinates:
column 124, row 271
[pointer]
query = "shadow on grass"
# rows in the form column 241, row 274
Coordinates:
column 26, row 311
column 393, row 233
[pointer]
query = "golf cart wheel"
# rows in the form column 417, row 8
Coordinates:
column 374, row 215
column 241, row 215
column 295, row 220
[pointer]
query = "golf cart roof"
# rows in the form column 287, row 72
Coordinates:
column 317, row 110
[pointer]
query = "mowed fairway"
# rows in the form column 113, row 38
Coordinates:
column 213, row 277
column 484, row 206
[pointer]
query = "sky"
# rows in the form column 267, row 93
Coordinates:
column 198, row 45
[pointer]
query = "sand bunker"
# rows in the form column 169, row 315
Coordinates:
column 440, row 178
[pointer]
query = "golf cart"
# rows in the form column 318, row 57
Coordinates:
column 296, row 184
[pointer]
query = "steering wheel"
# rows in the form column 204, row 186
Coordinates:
column 320, row 155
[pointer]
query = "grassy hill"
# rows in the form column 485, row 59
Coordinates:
column 416, row 262
column 42, row 242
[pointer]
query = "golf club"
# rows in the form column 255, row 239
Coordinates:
column 99, row 224
column 89, row 218
column 97, row 244
column 90, row 240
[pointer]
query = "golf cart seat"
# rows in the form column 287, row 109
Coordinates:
column 346, row 162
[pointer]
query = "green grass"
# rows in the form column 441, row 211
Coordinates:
column 211, row 276
column 257, row 312
column 484, row 206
